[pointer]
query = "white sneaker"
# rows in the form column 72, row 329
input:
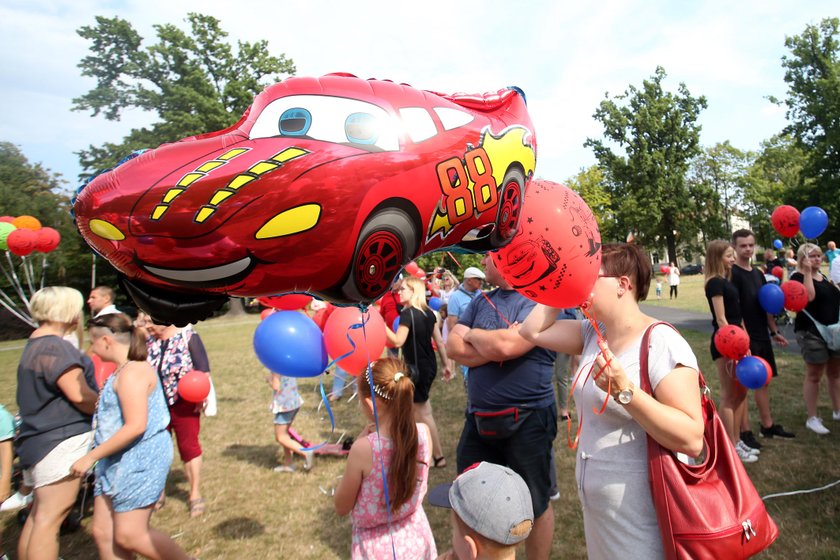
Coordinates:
column 284, row 468
column 309, row 459
column 835, row 415
column 745, row 456
column 16, row 501
column 744, row 447
column 815, row 425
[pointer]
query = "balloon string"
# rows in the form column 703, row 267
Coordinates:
column 493, row 305
column 15, row 281
column 451, row 256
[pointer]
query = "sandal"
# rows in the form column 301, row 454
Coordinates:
column 439, row 462
column 196, row 507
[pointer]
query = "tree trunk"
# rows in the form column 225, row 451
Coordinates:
column 236, row 308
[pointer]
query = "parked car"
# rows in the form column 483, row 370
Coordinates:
column 691, row 269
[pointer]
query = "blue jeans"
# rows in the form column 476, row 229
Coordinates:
column 340, row 379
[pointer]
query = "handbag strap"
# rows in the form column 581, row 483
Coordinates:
column 644, row 350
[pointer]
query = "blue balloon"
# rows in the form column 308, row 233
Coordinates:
column 396, row 324
column 435, row 303
column 812, row 222
column 777, row 243
column 751, row 372
column 290, row 343
column 772, row 298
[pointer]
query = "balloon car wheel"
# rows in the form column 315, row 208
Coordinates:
column 510, row 207
column 377, row 262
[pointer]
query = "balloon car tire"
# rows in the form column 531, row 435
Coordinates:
column 511, row 196
column 386, row 242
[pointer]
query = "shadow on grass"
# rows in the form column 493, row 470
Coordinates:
column 263, row 456
column 335, row 532
column 239, row 528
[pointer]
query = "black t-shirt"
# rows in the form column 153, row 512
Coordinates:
column 773, row 263
column 47, row 417
column 748, row 283
column 417, row 349
column 824, row 308
column 718, row 286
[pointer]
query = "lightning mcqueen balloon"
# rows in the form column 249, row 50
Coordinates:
column 326, row 185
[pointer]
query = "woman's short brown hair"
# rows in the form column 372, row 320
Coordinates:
column 627, row 259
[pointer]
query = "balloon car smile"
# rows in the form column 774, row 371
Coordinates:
column 224, row 274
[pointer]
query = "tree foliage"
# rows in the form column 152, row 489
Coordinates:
column 812, row 74
column 716, row 187
column 656, row 135
column 194, row 81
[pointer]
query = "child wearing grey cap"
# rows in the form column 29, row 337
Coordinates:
column 491, row 512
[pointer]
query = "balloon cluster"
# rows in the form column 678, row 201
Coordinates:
column 753, row 372
column 23, row 235
column 788, row 221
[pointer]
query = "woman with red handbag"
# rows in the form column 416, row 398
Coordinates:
column 620, row 520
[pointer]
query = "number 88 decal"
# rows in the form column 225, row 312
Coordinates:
column 469, row 190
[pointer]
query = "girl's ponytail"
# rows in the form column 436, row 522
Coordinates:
column 395, row 393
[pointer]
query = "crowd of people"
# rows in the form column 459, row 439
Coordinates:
column 510, row 350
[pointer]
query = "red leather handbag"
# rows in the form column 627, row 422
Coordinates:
column 709, row 510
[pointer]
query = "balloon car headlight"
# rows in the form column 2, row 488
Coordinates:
column 105, row 230
column 291, row 221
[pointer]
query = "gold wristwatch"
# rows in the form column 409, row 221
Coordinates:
column 625, row 395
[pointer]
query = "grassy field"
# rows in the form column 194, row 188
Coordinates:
column 258, row 514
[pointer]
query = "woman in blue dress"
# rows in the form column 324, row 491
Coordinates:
column 132, row 450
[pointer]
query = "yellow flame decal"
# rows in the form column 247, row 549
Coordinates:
column 252, row 174
column 189, row 178
column 512, row 145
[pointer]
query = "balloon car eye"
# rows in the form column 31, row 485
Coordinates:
column 361, row 128
column 295, row 122
column 291, row 221
column 105, row 230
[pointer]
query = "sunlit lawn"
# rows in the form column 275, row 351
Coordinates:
column 258, row 514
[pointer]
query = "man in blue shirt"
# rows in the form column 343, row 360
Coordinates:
column 461, row 298
column 511, row 417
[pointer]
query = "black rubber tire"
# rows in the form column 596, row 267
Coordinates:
column 511, row 198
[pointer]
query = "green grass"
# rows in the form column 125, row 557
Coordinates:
column 257, row 514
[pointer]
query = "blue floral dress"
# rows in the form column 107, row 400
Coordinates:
column 135, row 476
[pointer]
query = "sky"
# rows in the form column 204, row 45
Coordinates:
column 566, row 56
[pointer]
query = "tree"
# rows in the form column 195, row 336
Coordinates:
column 775, row 172
column 592, row 188
column 194, row 81
column 658, row 135
column 812, row 74
column 716, row 186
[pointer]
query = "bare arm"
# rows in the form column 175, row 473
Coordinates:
column 397, row 339
column 441, row 348
column 460, row 350
column 673, row 416
column 498, row 345
column 73, row 385
column 134, row 385
column 542, row 328
column 359, row 462
column 720, row 311
column 6, row 456
column 451, row 321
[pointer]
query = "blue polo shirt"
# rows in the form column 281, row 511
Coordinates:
column 523, row 382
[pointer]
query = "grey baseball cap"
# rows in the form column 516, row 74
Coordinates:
column 491, row 499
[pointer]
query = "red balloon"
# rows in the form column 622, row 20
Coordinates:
column 266, row 312
column 286, row 302
column 412, row 268
column 369, row 341
column 556, row 254
column 48, row 239
column 22, row 241
column 768, row 368
column 320, row 317
column 102, row 370
column 785, row 220
column 732, row 342
column 664, row 269
column 194, row 386
column 796, row 297
column 778, row 272
column 7, row 219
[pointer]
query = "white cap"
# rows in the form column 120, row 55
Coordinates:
column 473, row 272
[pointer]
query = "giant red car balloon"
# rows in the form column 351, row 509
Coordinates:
column 326, row 185
column 555, row 257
